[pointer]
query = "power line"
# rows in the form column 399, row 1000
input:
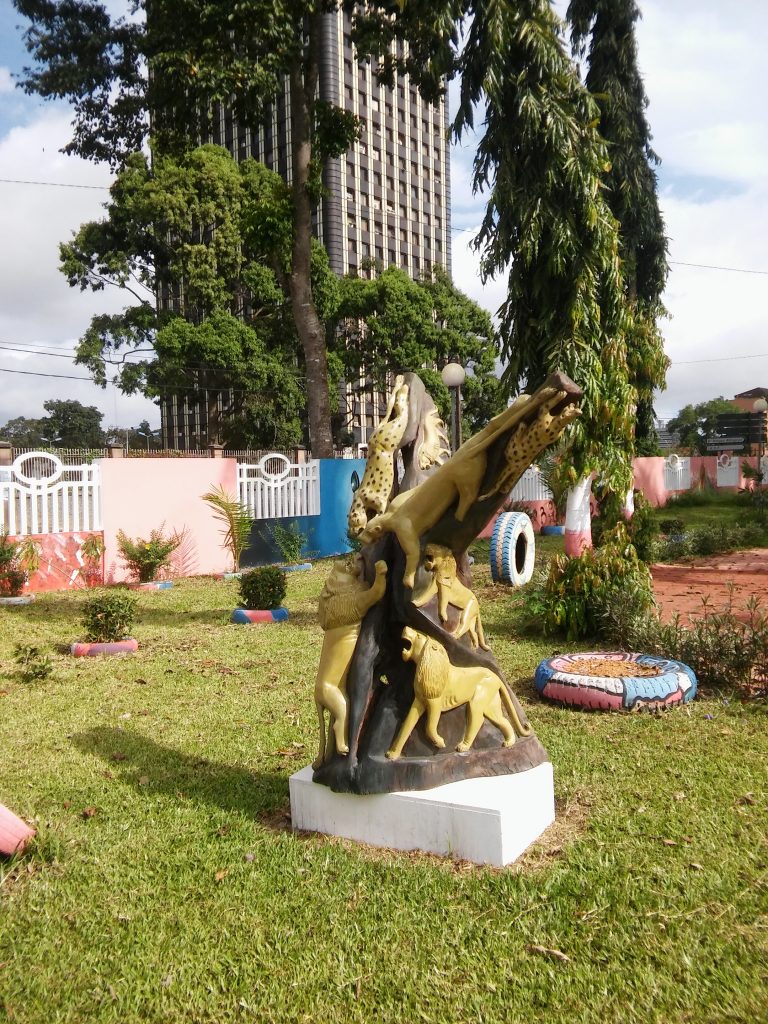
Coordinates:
column 52, row 184
column 718, row 359
column 708, row 266
column 163, row 388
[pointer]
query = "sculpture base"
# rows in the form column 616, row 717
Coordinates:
column 486, row 820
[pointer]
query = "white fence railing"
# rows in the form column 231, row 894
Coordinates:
column 531, row 487
column 274, row 487
column 38, row 494
column 677, row 473
column 728, row 471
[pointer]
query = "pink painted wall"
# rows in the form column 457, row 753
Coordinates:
column 542, row 513
column 141, row 495
column 649, row 478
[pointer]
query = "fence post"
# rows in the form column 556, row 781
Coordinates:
column 115, row 451
column 216, row 451
column 6, row 453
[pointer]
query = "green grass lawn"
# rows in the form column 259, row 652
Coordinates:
column 717, row 508
column 166, row 885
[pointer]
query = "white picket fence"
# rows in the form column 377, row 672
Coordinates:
column 274, row 487
column 39, row 494
column 728, row 471
column 677, row 473
column 531, row 487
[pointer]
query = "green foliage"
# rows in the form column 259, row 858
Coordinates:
column 394, row 324
column 642, row 528
column 69, row 424
column 714, row 539
column 569, row 597
column 18, row 560
column 263, row 588
column 108, row 616
column 145, row 558
column 290, row 541
column 236, row 521
column 724, row 649
column 555, row 473
column 34, row 664
column 695, row 424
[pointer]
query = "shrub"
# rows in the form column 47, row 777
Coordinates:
column 672, row 527
column 236, row 519
column 34, row 664
column 710, row 540
column 18, row 559
column 108, row 617
column 145, row 558
column 642, row 529
column 263, row 588
column 290, row 541
column 569, row 598
column 92, row 550
column 725, row 651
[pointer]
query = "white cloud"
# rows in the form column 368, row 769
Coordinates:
column 707, row 79
column 37, row 306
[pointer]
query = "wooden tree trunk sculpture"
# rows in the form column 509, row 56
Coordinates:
column 424, row 701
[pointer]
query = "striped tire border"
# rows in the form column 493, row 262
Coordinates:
column 558, row 679
column 247, row 617
column 509, row 527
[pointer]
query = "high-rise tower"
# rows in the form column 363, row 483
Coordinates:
column 388, row 197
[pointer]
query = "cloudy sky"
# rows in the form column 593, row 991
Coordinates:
column 706, row 78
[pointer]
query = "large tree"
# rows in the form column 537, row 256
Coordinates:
column 695, row 424
column 213, row 238
column 391, row 323
column 603, row 32
column 177, row 59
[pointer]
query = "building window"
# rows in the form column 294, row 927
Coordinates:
column 392, row 256
column 401, row 138
column 390, row 182
column 363, row 147
column 377, row 178
column 376, row 154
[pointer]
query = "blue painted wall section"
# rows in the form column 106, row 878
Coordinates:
column 326, row 533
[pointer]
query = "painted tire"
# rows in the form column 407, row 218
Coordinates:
column 513, row 549
column 558, row 679
column 127, row 646
column 21, row 599
column 553, row 531
column 152, row 585
column 297, row 567
column 14, row 833
column 245, row 616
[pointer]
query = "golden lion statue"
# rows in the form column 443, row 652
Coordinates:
column 343, row 603
column 440, row 561
column 438, row 686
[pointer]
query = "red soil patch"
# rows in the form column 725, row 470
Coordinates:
column 723, row 580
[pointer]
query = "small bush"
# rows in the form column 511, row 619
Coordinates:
column 569, row 598
column 672, row 527
column 145, row 558
column 725, row 651
column 263, row 588
column 108, row 617
column 34, row 664
column 642, row 529
column 18, row 559
column 290, row 541
column 710, row 540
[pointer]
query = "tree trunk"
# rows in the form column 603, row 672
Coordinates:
column 303, row 82
column 578, row 518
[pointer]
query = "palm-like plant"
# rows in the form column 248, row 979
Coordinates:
column 236, row 519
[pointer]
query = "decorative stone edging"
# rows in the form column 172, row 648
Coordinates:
column 152, row 585
column 558, row 679
column 297, row 567
column 14, row 833
column 17, row 599
column 88, row 650
column 247, row 616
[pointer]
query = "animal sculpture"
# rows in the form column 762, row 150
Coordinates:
column 440, row 562
column 439, row 686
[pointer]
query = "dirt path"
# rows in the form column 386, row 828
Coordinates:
column 733, row 578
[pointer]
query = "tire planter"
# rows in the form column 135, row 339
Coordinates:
column 553, row 531
column 245, row 616
column 298, row 567
column 14, row 833
column 21, row 599
column 559, row 679
column 152, row 585
column 513, row 549
column 90, row 650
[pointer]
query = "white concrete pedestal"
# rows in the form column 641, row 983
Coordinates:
column 488, row 821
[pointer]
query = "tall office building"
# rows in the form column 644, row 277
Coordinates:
column 388, row 200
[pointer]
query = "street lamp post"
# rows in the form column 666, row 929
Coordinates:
column 760, row 406
column 453, row 375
